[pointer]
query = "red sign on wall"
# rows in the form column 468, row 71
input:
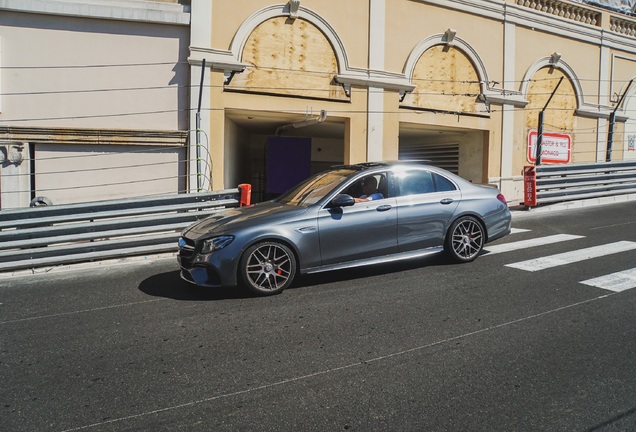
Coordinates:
column 556, row 148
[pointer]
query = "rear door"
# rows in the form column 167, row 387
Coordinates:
column 426, row 202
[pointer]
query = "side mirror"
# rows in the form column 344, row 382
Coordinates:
column 342, row 200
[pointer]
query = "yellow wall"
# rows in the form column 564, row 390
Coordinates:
column 293, row 67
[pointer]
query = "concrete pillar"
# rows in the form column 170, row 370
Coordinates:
column 375, row 107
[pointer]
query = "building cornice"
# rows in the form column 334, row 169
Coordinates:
column 539, row 20
column 93, row 136
column 377, row 79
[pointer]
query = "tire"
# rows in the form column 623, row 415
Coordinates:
column 268, row 268
column 465, row 239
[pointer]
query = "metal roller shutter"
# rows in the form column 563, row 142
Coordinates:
column 441, row 155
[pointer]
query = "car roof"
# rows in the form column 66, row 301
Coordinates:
column 368, row 165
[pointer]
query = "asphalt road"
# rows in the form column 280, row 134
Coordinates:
column 519, row 340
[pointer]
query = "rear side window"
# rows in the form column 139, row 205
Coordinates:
column 416, row 182
column 442, row 184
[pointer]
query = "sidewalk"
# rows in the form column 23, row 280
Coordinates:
column 522, row 211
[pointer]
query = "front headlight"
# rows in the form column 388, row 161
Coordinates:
column 216, row 243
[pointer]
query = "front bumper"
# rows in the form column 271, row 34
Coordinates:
column 207, row 270
column 201, row 276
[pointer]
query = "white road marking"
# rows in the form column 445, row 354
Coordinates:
column 616, row 282
column 524, row 244
column 518, row 230
column 574, row 256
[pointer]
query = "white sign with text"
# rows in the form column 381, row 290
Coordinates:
column 556, row 148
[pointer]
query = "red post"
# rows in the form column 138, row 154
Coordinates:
column 246, row 194
column 530, row 186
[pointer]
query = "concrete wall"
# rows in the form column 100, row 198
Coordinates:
column 99, row 87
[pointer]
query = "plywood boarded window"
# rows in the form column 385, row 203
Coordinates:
column 559, row 116
column 446, row 80
column 289, row 58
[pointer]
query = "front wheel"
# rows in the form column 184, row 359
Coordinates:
column 465, row 239
column 268, row 268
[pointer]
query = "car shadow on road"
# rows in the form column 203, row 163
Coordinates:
column 170, row 285
column 369, row 271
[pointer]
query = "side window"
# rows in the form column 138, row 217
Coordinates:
column 415, row 182
column 443, row 184
column 374, row 186
column 383, row 185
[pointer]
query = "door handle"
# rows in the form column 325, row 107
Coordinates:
column 446, row 201
column 383, row 208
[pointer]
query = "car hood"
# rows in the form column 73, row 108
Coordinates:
column 232, row 220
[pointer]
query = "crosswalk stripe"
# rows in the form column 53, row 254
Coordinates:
column 524, row 244
column 518, row 230
column 616, row 282
column 574, row 256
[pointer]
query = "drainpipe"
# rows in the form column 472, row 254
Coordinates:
column 301, row 124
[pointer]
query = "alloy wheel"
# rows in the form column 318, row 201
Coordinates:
column 269, row 267
column 467, row 239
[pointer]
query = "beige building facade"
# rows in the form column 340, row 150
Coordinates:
column 460, row 83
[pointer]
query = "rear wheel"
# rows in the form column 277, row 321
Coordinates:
column 465, row 239
column 268, row 268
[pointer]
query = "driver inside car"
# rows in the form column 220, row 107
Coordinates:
column 369, row 190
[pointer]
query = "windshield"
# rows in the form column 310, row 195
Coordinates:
column 315, row 188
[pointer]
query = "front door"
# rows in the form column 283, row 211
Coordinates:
column 364, row 230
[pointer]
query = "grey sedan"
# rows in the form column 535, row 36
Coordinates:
column 351, row 215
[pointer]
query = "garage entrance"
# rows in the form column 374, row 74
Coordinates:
column 460, row 151
column 252, row 143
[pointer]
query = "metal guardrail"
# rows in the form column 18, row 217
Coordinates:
column 54, row 235
column 556, row 183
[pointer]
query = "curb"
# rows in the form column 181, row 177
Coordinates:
column 521, row 210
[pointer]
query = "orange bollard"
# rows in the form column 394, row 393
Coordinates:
column 245, row 190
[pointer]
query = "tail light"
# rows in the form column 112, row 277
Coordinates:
column 502, row 199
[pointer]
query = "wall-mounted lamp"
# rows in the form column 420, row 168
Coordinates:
column 483, row 99
column 229, row 74
column 294, row 5
column 347, row 89
column 554, row 58
column 614, row 98
column 448, row 37
column 15, row 154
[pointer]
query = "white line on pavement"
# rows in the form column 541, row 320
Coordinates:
column 524, row 244
column 616, row 282
column 574, row 256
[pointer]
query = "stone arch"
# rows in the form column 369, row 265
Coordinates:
column 560, row 114
column 287, row 56
column 563, row 68
column 447, row 76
